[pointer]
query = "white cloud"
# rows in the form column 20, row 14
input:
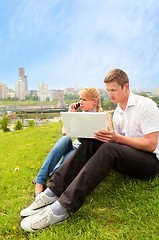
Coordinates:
column 30, row 17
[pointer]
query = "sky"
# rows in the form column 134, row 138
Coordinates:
column 77, row 42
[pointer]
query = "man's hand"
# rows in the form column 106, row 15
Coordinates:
column 105, row 135
column 109, row 121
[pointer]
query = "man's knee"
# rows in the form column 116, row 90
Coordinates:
column 109, row 152
column 108, row 147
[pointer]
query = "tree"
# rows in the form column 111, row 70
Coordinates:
column 109, row 105
column 102, row 101
column 4, row 123
column 18, row 125
column 35, row 98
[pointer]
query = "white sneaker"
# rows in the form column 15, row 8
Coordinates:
column 41, row 201
column 42, row 219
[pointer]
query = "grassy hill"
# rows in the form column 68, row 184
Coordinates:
column 119, row 208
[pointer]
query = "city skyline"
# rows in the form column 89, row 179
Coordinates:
column 44, row 93
column 75, row 87
column 67, row 43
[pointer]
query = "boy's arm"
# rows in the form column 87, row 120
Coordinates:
column 147, row 143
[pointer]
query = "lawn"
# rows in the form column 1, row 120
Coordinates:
column 119, row 208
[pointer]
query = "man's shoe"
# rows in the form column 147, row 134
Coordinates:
column 41, row 201
column 43, row 219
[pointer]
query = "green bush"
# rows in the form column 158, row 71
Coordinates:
column 31, row 123
column 4, row 123
column 18, row 125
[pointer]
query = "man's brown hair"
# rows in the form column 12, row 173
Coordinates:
column 117, row 75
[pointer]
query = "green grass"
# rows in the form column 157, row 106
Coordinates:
column 119, row 208
column 28, row 103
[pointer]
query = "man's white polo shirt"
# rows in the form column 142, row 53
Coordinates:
column 140, row 117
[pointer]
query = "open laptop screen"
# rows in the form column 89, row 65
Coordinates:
column 83, row 124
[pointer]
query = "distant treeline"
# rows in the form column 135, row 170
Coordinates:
column 106, row 103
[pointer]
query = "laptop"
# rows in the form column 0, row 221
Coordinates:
column 83, row 124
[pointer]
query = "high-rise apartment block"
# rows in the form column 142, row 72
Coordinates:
column 20, row 90
column 43, row 91
column 43, row 88
column 23, row 77
column 3, row 90
column 20, row 72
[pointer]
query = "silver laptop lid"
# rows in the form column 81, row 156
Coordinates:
column 83, row 124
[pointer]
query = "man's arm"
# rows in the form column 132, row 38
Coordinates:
column 147, row 143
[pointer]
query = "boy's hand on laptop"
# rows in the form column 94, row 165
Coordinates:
column 105, row 135
column 109, row 122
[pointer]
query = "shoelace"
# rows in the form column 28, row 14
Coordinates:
column 43, row 216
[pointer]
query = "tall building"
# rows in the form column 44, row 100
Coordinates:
column 20, row 90
column 43, row 91
column 3, row 90
column 20, row 72
column 76, row 87
column 23, row 77
column 43, row 88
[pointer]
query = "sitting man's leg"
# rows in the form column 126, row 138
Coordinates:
column 64, row 175
column 125, row 159
column 83, row 180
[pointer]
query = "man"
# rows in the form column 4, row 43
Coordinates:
column 131, row 148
